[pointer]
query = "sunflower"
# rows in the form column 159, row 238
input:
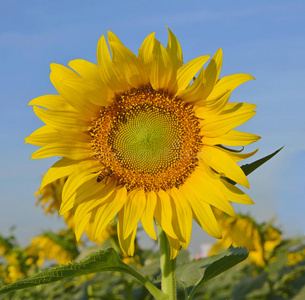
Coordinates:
column 272, row 238
column 243, row 231
column 51, row 195
column 141, row 140
column 14, row 270
column 60, row 247
column 240, row 231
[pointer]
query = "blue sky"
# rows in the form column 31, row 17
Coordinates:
column 263, row 38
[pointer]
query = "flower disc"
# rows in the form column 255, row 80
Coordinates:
column 147, row 139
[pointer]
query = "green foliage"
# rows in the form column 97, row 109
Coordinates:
column 278, row 280
column 249, row 168
column 101, row 261
column 192, row 274
column 197, row 272
column 210, row 278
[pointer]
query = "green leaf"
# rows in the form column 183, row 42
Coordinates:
column 100, row 261
column 300, row 295
column 197, row 272
column 249, row 168
column 251, row 285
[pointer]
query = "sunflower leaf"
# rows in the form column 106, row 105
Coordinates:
column 249, row 168
column 197, row 272
column 100, row 261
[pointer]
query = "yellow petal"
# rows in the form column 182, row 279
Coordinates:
column 205, row 82
column 113, row 38
column 127, row 245
column 85, row 69
column 224, row 164
column 61, row 120
column 187, row 72
column 212, row 73
column 85, row 172
column 195, row 90
column 53, row 102
column 62, row 72
column 182, row 217
column 209, row 171
column 96, row 92
column 158, row 65
column 81, row 225
column 91, row 191
column 72, row 150
column 49, row 135
column 174, row 50
column 204, row 215
column 239, row 156
column 146, row 49
column 221, row 124
column 133, row 211
column 128, row 65
column 236, row 108
column 234, row 194
column 231, row 192
column 212, row 107
column 232, row 138
column 86, row 207
column 58, row 76
column 201, row 186
column 164, row 213
column 147, row 219
column 62, row 168
column 108, row 211
column 108, row 74
column 174, row 247
column 229, row 83
column 163, row 75
column 40, row 131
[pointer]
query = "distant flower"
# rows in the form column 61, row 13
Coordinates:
column 59, row 247
column 13, row 270
column 294, row 257
column 50, row 198
column 139, row 139
column 242, row 231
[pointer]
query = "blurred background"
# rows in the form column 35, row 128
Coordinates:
column 264, row 39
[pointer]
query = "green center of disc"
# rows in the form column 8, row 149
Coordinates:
column 147, row 140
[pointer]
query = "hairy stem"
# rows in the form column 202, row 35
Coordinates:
column 168, row 266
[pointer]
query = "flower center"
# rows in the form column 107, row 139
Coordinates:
column 147, row 139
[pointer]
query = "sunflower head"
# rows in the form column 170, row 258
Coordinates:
column 60, row 247
column 141, row 140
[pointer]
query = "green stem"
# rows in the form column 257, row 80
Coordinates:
column 115, row 244
column 128, row 289
column 168, row 267
column 151, row 288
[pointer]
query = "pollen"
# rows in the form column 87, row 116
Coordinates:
column 147, row 139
